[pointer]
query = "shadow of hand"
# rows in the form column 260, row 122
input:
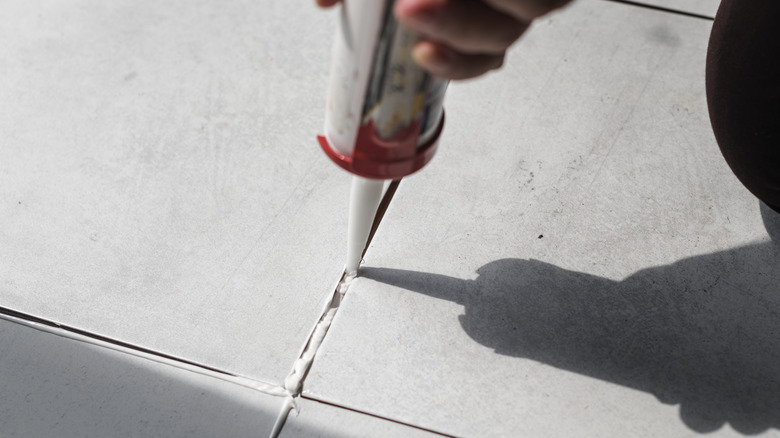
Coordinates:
column 703, row 332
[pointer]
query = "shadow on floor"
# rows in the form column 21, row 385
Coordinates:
column 56, row 387
column 703, row 332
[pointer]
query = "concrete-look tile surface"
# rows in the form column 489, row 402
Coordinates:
column 57, row 387
column 160, row 182
column 318, row 420
column 578, row 260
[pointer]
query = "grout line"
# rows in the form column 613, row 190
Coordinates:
column 663, row 9
column 293, row 383
column 377, row 416
column 86, row 337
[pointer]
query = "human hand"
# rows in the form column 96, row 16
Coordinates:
column 462, row 39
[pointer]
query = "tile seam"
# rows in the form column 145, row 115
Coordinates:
column 663, row 9
column 381, row 417
column 89, row 338
column 293, row 383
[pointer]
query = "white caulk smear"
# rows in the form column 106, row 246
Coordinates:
column 294, row 381
column 364, row 198
column 301, row 366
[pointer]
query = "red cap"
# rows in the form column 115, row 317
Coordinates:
column 378, row 158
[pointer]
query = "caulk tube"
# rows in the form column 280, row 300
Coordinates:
column 364, row 197
column 384, row 113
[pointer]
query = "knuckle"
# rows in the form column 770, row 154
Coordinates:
column 498, row 62
column 545, row 6
column 511, row 35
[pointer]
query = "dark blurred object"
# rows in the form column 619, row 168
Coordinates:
column 743, row 93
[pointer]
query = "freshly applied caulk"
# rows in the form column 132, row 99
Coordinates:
column 384, row 113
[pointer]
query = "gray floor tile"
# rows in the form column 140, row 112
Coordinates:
column 577, row 261
column 317, row 420
column 160, row 180
column 60, row 388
